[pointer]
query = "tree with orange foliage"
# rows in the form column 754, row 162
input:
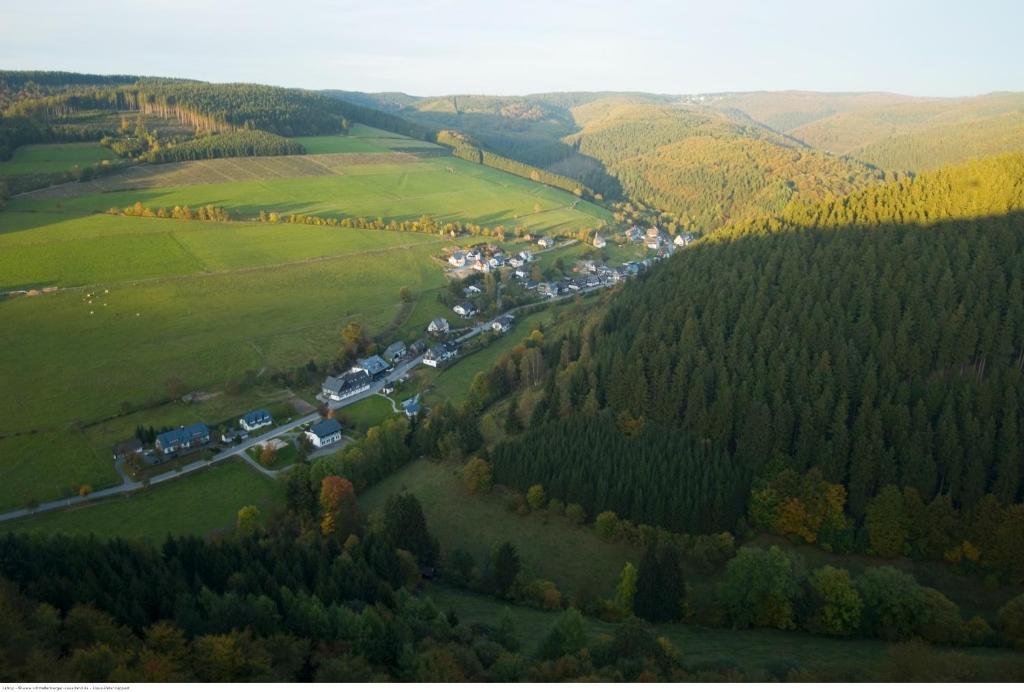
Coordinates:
column 338, row 504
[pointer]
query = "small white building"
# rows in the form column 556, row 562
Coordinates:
column 546, row 242
column 457, row 259
column 254, row 420
column 599, row 241
column 683, row 239
column 440, row 354
column 465, row 309
column 438, row 325
column 502, row 324
column 326, row 432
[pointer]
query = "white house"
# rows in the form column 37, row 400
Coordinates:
column 599, row 242
column 683, row 239
column 516, row 262
column 440, row 354
column 464, row 309
column 438, row 325
column 374, row 366
column 352, row 382
column 457, row 259
column 473, row 289
column 255, row 419
column 546, row 242
column 326, row 432
column 526, row 256
column 502, row 324
column 472, row 256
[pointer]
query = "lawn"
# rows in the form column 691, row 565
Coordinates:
column 364, row 414
column 551, row 547
column 751, row 650
column 53, row 158
column 199, row 503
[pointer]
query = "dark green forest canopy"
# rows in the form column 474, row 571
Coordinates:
column 877, row 337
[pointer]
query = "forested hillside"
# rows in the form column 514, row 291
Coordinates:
column 704, row 168
column 891, row 131
column 875, row 340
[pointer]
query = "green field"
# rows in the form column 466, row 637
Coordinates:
column 151, row 307
column 199, row 503
column 363, row 139
column 551, row 547
column 363, row 415
column 446, row 188
column 754, row 651
column 54, row 158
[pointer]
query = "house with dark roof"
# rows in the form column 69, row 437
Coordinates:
column 546, row 242
column 326, row 432
column 183, row 439
column 683, row 239
column 375, row 366
column 352, row 382
column 440, row 354
column 465, row 309
column 457, row 259
column 412, row 406
column 395, row 351
column 438, row 325
column 255, row 419
column 502, row 324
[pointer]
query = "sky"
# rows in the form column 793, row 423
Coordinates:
column 433, row 47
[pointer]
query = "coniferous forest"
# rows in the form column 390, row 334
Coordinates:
column 875, row 339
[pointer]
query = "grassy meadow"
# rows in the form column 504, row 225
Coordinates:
column 445, row 188
column 54, row 158
column 149, row 306
column 550, row 547
column 754, row 651
column 198, row 504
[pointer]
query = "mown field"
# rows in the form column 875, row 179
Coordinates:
column 198, row 504
column 388, row 185
column 53, row 158
column 153, row 307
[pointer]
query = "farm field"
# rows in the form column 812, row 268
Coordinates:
column 750, row 650
column 198, row 504
column 155, row 307
column 53, row 158
column 389, row 186
column 550, row 547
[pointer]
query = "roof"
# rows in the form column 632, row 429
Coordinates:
column 374, row 365
column 181, row 435
column 504, row 320
column 326, row 427
column 349, row 380
column 394, row 348
column 257, row 416
column 459, row 254
column 438, row 323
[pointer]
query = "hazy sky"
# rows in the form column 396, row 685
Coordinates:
column 936, row 47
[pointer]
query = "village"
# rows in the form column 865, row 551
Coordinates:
column 517, row 282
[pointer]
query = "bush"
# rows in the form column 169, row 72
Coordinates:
column 576, row 513
column 759, row 589
column 893, row 603
column 606, row 524
column 1011, row 620
column 941, row 622
column 835, row 602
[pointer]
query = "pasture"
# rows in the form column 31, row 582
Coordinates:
column 386, row 185
column 146, row 309
column 199, row 504
column 756, row 651
column 550, row 547
column 54, row 158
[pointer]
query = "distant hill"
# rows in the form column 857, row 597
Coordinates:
column 701, row 164
column 890, row 131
